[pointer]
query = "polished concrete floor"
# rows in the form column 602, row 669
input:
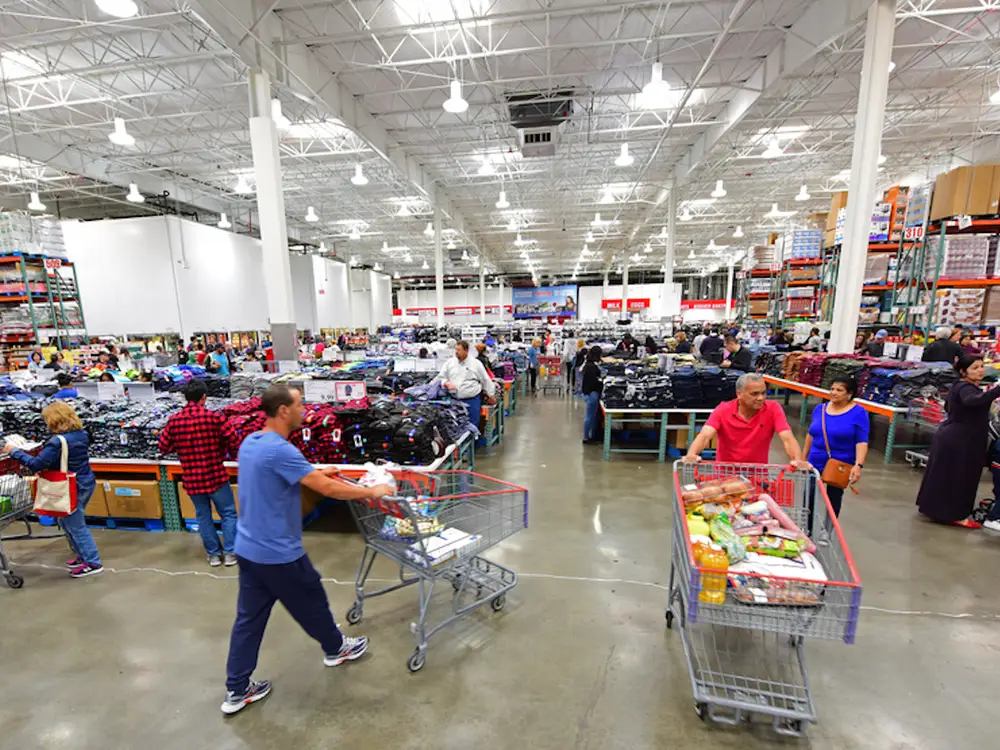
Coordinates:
column 580, row 658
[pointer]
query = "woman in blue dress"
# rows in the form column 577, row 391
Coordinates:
column 846, row 430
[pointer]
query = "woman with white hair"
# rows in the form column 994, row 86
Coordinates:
column 943, row 349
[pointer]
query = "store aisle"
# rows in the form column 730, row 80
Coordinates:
column 580, row 658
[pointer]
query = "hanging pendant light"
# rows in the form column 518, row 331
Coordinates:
column 590, row 237
column 597, row 220
column 663, row 234
column 408, row 258
column 118, row 8
column 134, row 196
column 424, row 266
column 451, row 245
column 503, row 203
column 456, row 105
column 322, row 248
column 625, row 159
column 35, row 204
column 120, row 136
column 355, row 233
column 512, row 225
column 404, row 210
column 223, row 222
column 311, row 214
column 608, row 196
column 773, row 150
column 359, row 178
column 242, row 186
column 738, row 233
column 686, row 214
column 720, row 191
column 803, row 194
column 465, row 256
column 656, row 94
column 385, row 247
column 429, row 230
column 486, row 168
column 396, row 275
column 377, row 266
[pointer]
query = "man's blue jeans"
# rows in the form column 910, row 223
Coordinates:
column 225, row 506
column 474, row 406
column 593, row 401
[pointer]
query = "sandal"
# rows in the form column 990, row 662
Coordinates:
column 967, row 523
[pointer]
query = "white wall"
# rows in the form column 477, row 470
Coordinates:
column 163, row 274
column 464, row 297
column 591, row 297
column 125, row 275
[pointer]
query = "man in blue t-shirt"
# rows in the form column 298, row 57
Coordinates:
column 273, row 564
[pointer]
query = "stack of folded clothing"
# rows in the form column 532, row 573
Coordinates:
column 841, row 367
column 790, row 365
column 712, row 386
column 771, row 363
column 729, row 384
column 505, row 371
column 811, row 368
column 687, row 388
column 615, row 392
column 654, row 392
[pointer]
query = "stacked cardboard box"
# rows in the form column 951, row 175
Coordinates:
column 972, row 191
column 991, row 311
column 762, row 256
column 961, row 307
column 837, row 204
column 806, row 243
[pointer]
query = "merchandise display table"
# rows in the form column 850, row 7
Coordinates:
column 632, row 416
column 892, row 413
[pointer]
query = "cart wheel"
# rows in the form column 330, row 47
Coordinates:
column 456, row 583
column 702, row 710
column 797, row 726
column 670, row 620
column 498, row 603
column 416, row 661
column 15, row 581
column 354, row 614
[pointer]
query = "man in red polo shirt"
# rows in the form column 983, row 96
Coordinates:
column 745, row 427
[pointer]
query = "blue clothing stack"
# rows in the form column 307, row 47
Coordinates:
column 687, row 388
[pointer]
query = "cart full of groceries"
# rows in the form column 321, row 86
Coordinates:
column 758, row 564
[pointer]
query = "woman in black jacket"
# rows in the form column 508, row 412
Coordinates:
column 592, row 387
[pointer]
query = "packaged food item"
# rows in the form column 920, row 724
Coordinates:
column 697, row 526
column 692, row 496
column 713, row 585
column 724, row 535
column 774, row 545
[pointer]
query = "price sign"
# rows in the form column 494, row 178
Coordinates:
column 320, row 390
column 964, row 221
column 52, row 265
column 890, row 349
column 426, row 365
column 914, row 353
column 110, row 391
column 288, row 365
column 913, row 234
column 351, row 390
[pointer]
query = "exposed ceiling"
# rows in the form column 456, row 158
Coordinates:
column 363, row 83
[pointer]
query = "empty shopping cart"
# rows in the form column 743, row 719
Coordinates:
column 745, row 654
column 435, row 530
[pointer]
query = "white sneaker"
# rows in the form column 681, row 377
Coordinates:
column 351, row 649
column 992, row 525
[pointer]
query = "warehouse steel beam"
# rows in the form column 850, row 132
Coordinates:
column 256, row 34
column 820, row 25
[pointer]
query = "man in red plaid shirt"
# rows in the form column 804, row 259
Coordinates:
column 196, row 435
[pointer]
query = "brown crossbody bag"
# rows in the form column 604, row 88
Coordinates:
column 835, row 473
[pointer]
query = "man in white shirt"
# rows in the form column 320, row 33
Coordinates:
column 466, row 378
column 702, row 335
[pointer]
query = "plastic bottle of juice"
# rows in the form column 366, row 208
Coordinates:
column 713, row 585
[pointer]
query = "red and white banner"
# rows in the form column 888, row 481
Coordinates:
column 453, row 310
column 633, row 304
column 704, row 304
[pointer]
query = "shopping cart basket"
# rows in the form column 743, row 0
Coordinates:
column 745, row 655
column 435, row 531
column 16, row 502
column 550, row 375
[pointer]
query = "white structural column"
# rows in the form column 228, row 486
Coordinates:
column 625, row 288
column 864, row 173
column 350, row 296
column 482, row 290
column 438, row 268
column 668, row 252
column 372, row 281
column 727, row 315
column 604, row 296
column 500, row 288
column 271, row 215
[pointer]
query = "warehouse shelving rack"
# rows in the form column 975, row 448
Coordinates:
column 49, row 297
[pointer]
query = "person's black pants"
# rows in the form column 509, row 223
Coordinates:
column 533, row 378
column 298, row 587
column 836, row 495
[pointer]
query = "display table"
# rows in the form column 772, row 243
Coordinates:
column 892, row 413
column 626, row 416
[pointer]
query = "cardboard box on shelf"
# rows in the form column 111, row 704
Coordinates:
column 808, row 273
column 759, row 306
column 980, row 197
column 829, row 238
column 991, row 310
column 97, row 507
column 133, row 498
column 837, row 202
column 966, row 190
column 187, row 507
column 941, row 200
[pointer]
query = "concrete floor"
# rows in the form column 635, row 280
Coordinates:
column 580, row 658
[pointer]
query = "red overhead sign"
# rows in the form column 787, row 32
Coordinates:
column 633, row 304
column 703, row 304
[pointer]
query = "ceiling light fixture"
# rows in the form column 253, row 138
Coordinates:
column 590, row 236
column 663, row 234
column 118, row 8
column 377, row 266
column 35, row 204
column 686, row 214
column 518, row 241
column 648, row 248
column 408, row 258
column 280, row 121
column 691, row 255
column 429, row 230
column 656, row 93
column 242, row 186
column 892, row 66
column 311, row 214
column 322, row 248
column 486, row 168
column 120, row 136
column 995, row 97
column 803, row 194
column 404, row 209
column 224, row 222
column 385, row 247
column 512, row 225
column 738, row 233
column 608, row 196
column 355, row 233
column 456, row 105
column 625, row 159
column 881, row 159
column 134, row 196
column 597, row 220
column 712, row 245
column 396, row 275
column 720, row 191
column 465, row 256
column 451, row 245
column 425, row 266
column 774, row 213
column 773, row 150
column 359, row 178
column 354, row 260
column 503, row 203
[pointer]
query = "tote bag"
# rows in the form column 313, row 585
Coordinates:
column 55, row 491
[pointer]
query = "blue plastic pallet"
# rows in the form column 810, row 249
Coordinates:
column 191, row 524
column 126, row 524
